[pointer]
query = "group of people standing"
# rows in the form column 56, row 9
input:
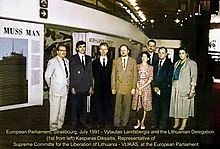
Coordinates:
column 149, row 83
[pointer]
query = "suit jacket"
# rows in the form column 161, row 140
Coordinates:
column 81, row 78
column 124, row 80
column 55, row 76
column 155, row 58
column 187, row 77
column 102, row 75
column 163, row 79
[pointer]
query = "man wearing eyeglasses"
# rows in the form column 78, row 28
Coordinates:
column 57, row 78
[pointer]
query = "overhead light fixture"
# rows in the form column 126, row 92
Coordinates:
column 177, row 20
column 151, row 20
column 165, row 16
column 137, row 8
column 120, row 4
column 133, row 2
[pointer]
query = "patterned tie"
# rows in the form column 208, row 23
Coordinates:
column 65, row 68
column 124, row 65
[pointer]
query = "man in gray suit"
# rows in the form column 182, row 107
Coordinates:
column 57, row 78
column 124, row 81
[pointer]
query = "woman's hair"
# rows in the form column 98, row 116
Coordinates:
column 145, row 52
column 185, row 49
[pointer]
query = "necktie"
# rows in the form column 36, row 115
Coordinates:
column 103, row 62
column 65, row 68
column 124, row 64
column 159, row 66
column 83, row 63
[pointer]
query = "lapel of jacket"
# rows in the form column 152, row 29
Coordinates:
column 86, row 60
column 61, row 65
column 120, row 64
column 67, row 66
column 128, row 64
column 163, row 66
column 185, row 63
column 78, row 59
column 109, row 63
column 80, row 65
column 176, row 64
column 99, row 62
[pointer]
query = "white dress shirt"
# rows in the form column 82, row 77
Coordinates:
column 82, row 56
column 101, row 60
column 124, row 62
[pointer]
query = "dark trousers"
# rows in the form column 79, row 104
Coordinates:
column 161, row 109
column 103, row 108
column 78, row 111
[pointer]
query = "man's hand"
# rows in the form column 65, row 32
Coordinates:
column 140, row 92
column 156, row 89
column 91, row 91
column 190, row 95
column 133, row 91
column 113, row 92
column 73, row 91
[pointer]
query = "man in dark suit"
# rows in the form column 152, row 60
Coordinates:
column 102, row 68
column 150, row 48
column 81, row 82
column 163, row 71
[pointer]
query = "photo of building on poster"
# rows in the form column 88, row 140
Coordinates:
column 14, row 53
column 28, row 41
column 21, row 64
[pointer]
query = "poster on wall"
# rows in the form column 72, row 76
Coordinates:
column 21, row 64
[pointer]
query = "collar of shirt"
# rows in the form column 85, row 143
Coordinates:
column 60, row 59
column 102, row 57
column 81, row 55
column 151, row 54
column 162, row 61
column 126, row 59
